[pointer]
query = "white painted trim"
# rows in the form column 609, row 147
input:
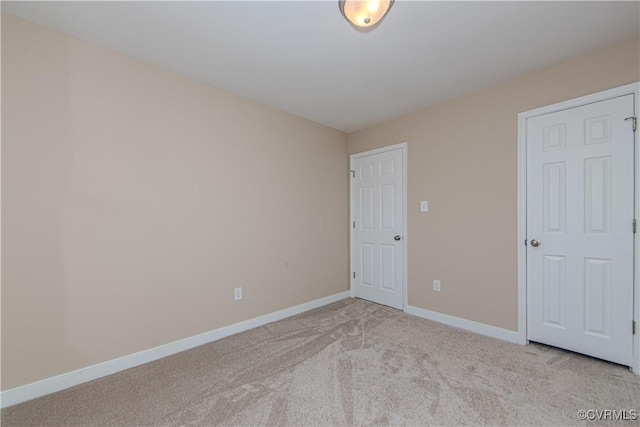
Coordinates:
column 636, row 259
column 583, row 100
column 634, row 89
column 405, row 235
column 469, row 325
column 90, row 373
column 405, row 222
column 522, row 229
column 380, row 150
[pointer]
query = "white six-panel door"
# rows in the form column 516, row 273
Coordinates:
column 377, row 224
column 580, row 209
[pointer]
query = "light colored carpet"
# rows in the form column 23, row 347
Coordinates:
column 349, row 363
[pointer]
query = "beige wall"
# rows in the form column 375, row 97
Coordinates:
column 462, row 159
column 135, row 200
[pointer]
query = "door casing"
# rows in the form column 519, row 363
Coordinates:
column 403, row 146
column 634, row 89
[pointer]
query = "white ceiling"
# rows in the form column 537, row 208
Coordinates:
column 304, row 58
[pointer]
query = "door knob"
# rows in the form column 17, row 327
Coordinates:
column 535, row 243
column 397, row 237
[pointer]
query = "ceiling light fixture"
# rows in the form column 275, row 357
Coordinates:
column 364, row 13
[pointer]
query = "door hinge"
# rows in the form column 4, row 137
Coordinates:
column 633, row 327
column 354, row 224
column 353, row 173
column 634, row 226
column 354, row 274
column 634, row 121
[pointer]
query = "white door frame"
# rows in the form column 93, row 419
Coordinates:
column 633, row 88
column 352, row 158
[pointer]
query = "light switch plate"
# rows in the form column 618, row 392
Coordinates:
column 424, row 206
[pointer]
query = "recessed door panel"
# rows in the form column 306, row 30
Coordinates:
column 597, row 296
column 554, row 289
column 554, row 137
column 366, row 212
column 597, row 195
column 554, row 197
column 387, row 167
column 596, row 130
column 388, row 266
column 387, row 207
column 366, row 171
column 368, row 263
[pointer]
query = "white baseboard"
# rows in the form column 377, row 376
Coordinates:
column 469, row 325
column 90, row 373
